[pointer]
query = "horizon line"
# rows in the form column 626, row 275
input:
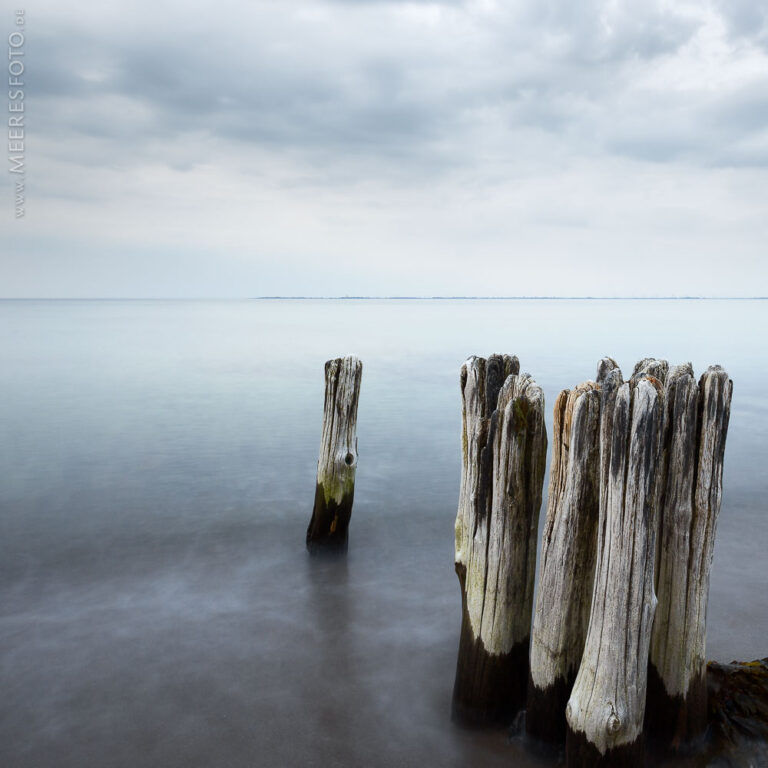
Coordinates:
column 383, row 298
column 517, row 298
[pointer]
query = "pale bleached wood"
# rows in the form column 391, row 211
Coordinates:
column 650, row 366
column 566, row 568
column 605, row 367
column 504, row 453
column 336, row 467
column 695, row 429
column 518, row 445
column 479, row 395
column 610, row 378
column 607, row 704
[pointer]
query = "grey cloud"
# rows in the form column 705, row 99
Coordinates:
column 186, row 148
column 368, row 94
column 745, row 18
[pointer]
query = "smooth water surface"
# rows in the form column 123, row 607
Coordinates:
column 157, row 471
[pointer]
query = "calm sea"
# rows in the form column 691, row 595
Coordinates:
column 157, row 471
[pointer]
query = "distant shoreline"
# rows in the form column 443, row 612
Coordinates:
column 385, row 298
column 513, row 298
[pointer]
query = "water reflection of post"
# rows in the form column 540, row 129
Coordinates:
column 329, row 688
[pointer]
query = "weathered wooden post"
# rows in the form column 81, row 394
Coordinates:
column 650, row 366
column 336, row 466
column 607, row 704
column 504, row 452
column 609, row 378
column 566, row 569
column 695, row 428
column 481, row 382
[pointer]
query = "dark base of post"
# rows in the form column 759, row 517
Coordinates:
column 489, row 688
column 580, row 753
column 545, row 711
column 675, row 724
column 327, row 531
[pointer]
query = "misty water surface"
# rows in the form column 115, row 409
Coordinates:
column 157, row 466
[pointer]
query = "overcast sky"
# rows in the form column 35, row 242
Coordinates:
column 374, row 147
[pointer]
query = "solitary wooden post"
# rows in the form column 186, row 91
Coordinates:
column 504, row 452
column 566, row 570
column 338, row 456
column 695, row 428
column 607, row 704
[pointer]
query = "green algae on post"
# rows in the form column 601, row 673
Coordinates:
column 335, row 489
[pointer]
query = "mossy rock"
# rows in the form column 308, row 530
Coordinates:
column 738, row 713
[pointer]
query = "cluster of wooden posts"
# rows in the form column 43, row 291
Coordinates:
column 616, row 648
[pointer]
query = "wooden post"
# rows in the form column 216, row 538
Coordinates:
column 504, row 452
column 695, row 428
column 609, row 378
column 650, row 366
column 607, row 704
column 479, row 395
column 336, row 466
column 566, row 570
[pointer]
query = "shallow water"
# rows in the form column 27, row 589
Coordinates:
column 157, row 469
